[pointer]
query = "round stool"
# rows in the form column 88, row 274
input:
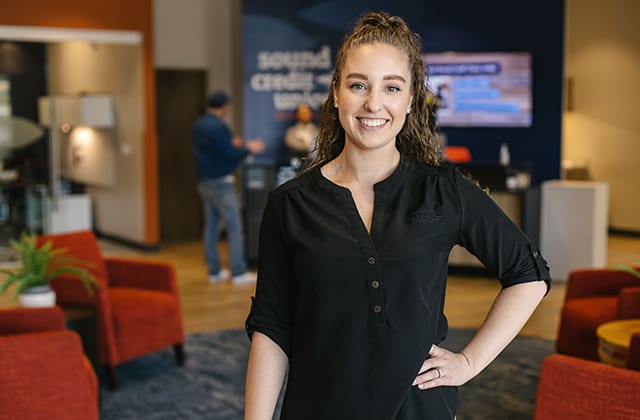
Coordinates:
column 613, row 340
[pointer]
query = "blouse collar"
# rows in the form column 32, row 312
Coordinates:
column 380, row 187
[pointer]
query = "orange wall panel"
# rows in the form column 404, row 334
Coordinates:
column 112, row 14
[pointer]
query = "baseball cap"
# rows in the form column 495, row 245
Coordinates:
column 218, row 99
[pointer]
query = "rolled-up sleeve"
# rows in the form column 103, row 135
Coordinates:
column 272, row 306
column 498, row 243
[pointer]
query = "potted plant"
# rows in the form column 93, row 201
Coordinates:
column 39, row 266
column 631, row 269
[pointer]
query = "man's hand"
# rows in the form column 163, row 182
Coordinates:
column 255, row 146
column 238, row 142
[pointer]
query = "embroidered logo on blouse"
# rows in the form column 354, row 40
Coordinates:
column 424, row 215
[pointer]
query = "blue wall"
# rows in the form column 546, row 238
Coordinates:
column 465, row 26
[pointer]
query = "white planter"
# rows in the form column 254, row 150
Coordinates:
column 38, row 296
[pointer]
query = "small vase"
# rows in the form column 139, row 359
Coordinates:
column 37, row 296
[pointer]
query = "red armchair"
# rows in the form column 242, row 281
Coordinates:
column 137, row 302
column 595, row 296
column 573, row 388
column 43, row 371
column 633, row 357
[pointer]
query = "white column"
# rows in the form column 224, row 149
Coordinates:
column 574, row 225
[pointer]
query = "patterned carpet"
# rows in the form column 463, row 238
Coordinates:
column 211, row 384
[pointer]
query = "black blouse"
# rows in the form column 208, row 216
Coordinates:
column 357, row 312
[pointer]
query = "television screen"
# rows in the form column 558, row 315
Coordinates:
column 481, row 89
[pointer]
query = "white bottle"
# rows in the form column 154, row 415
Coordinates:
column 505, row 157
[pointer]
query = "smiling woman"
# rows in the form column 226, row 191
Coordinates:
column 353, row 254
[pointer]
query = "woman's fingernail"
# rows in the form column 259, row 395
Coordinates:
column 415, row 381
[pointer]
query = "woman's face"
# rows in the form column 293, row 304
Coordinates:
column 304, row 113
column 373, row 96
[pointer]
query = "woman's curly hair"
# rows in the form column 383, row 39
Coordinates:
column 418, row 137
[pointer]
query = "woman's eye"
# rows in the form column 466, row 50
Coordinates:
column 357, row 86
column 393, row 89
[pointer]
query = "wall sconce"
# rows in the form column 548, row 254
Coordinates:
column 80, row 145
column 75, row 116
column 91, row 110
column 82, row 134
column 97, row 110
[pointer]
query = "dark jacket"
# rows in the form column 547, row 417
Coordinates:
column 215, row 154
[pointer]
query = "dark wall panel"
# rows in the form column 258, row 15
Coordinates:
column 180, row 95
column 26, row 68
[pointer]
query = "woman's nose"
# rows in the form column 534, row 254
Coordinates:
column 373, row 102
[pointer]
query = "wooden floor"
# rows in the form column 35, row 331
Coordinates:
column 208, row 307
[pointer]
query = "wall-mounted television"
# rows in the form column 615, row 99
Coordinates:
column 487, row 89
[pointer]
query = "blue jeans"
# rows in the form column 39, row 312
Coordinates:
column 219, row 199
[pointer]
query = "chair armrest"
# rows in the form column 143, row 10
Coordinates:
column 25, row 320
column 142, row 274
column 70, row 290
column 44, row 375
column 633, row 357
column 598, row 282
column 570, row 387
column 629, row 303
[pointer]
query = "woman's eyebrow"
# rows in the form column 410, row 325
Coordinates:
column 387, row 77
column 357, row 76
column 395, row 77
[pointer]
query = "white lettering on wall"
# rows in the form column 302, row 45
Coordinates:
column 295, row 60
column 293, row 77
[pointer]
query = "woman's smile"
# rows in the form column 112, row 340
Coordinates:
column 372, row 123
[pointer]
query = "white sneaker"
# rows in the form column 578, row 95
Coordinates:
column 223, row 274
column 247, row 277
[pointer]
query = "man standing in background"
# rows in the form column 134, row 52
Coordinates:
column 218, row 154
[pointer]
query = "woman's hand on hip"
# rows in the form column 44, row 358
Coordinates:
column 443, row 368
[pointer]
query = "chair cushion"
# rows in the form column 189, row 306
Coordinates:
column 144, row 320
column 44, row 375
column 579, row 321
column 571, row 388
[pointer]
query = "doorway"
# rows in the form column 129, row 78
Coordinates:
column 180, row 100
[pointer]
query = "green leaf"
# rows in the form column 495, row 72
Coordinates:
column 41, row 265
column 629, row 269
column 8, row 282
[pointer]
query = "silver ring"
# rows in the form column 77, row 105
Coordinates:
column 440, row 375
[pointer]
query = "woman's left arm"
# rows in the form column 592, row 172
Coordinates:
column 508, row 314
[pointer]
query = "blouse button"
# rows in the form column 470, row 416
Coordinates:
column 535, row 254
column 377, row 309
column 375, row 284
column 371, row 260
